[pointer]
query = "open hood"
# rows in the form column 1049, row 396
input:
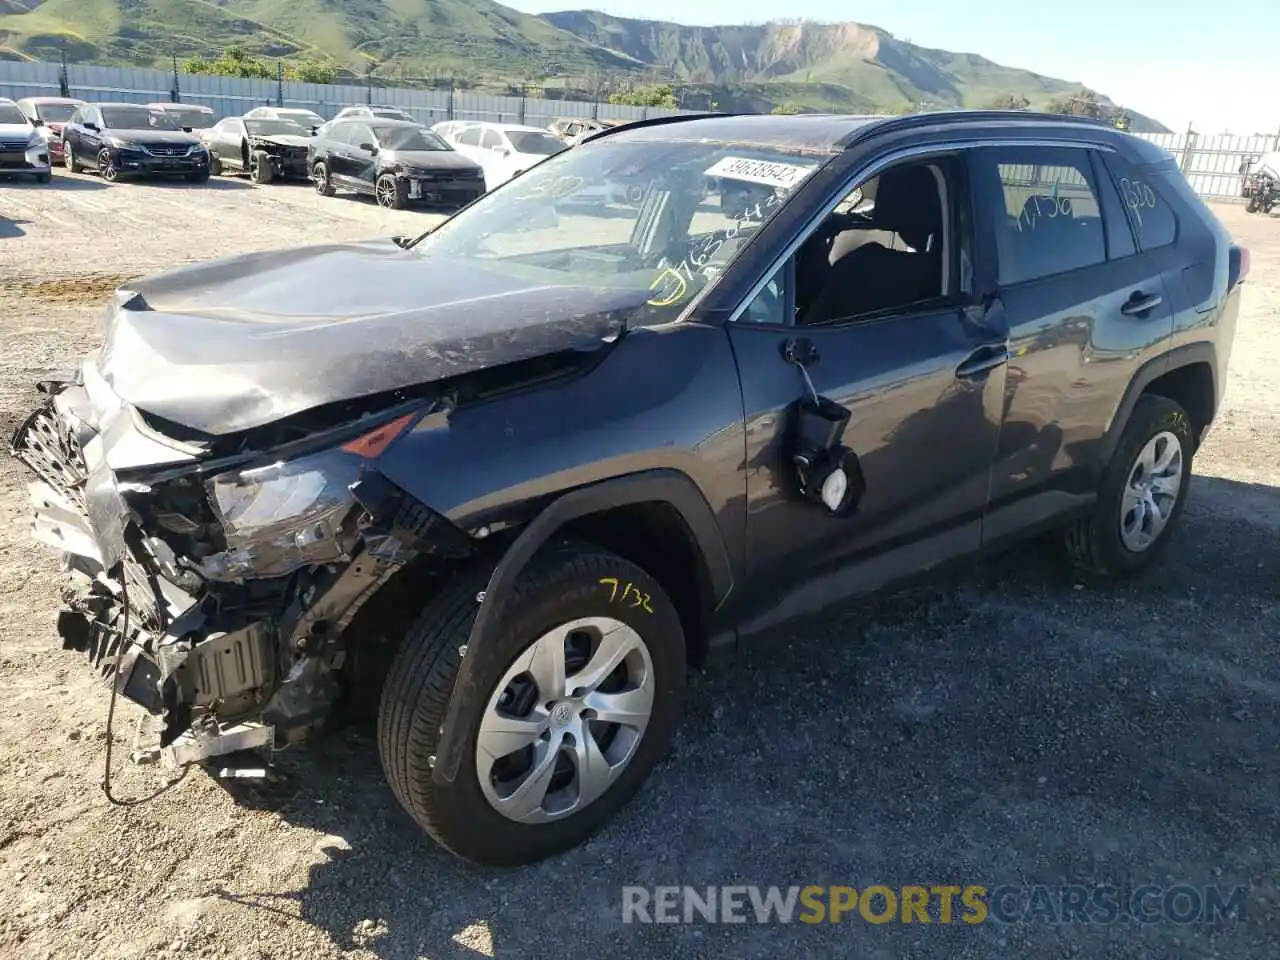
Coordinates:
column 235, row 344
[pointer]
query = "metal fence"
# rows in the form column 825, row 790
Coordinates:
column 232, row 96
column 1211, row 163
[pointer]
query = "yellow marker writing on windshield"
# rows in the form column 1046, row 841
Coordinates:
column 675, row 296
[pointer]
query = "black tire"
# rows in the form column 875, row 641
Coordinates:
column 215, row 165
column 260, row 168
column 69, row 160
column 320, row 178
column 390, row 191
column 1093, row 545
column 106, row 166
column 1252, row 206
column 561, row 585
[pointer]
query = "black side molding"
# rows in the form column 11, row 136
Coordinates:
column 669, row 486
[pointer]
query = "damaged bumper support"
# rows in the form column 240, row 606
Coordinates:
column 222, row 614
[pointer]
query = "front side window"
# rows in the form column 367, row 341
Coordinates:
column 136, row 118
column 1153, row 219
column 1044, row 208
column 652, row 223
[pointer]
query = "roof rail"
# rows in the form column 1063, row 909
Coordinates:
column 970, row 116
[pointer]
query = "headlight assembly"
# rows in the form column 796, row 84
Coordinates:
column 281, row 517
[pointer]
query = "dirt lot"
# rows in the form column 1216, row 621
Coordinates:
column 1002, row 727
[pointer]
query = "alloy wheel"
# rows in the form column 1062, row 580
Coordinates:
column 385, row 192
column 106, row 167
column 565, row 720
column 1151, row 492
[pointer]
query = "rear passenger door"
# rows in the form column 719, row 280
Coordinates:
column 1083, row 309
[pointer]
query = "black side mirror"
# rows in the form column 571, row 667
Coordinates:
column 186, row 129
column 37, row 122
column 368, row 148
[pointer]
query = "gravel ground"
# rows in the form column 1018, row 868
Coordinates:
column 1003, row 726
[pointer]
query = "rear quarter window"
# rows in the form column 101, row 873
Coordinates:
column 1142, row 194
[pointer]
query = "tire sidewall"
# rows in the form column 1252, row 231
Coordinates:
column 1152, row 415
column 462, row 807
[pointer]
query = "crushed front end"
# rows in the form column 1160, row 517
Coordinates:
column 214, row 589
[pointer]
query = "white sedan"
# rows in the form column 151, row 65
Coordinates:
column 502, row 149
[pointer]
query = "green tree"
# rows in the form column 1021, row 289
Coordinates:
column 309, row 71
column 1084, row 103
column 785, row 109
column 1008, row 101
column 659, row 96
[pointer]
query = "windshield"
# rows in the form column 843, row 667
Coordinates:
column 275, row 128
column 195, row 119
column 136, row 118
column 661, row 220
column 304, row 117
column 9, row 113
column 536, row 142
column 55, row 112
column 408, row 138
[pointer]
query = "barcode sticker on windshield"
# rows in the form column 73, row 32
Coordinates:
column 768, row 172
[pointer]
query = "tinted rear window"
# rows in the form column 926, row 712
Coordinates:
column 1153, row 219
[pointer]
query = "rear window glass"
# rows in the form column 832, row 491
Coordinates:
column 1153, row 219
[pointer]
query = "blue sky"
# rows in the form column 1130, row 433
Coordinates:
column 1203, row 62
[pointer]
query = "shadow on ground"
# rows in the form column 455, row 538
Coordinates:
column 12, row 228
column 1005, row 725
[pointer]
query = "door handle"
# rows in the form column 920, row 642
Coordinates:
column 1141, row 303
column 985, row 358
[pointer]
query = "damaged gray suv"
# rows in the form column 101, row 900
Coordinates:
column 503, row 483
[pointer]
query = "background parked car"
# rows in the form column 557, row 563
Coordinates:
column 307, row 119
column 128, row 138
column 266, row 149
column 393, row 161
column 367, row 111
column 503, row 150
column 573, row 129
column 190, row 116
column 23, row 148
column 50, row 114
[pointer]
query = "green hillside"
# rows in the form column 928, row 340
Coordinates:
column 841, row 67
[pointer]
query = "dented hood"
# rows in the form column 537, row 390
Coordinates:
column 235, row 344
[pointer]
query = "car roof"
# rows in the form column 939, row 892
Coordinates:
column 50, row 100
column 183, row 106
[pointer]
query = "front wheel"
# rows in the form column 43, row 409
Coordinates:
column 320, row 177
column 107, row 166
column 581, row 695
column 1252, row 206
column 390, row 192
column 1141, row 495
column 69, row 159
column 215, row 165
column 260, row 168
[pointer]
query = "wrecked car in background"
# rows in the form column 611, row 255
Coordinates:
column 508, row 479
column 266, row 148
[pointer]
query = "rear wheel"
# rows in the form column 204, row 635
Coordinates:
column 581, row 695
column 1252, row 206
column 1141, row 495
column 390, row 192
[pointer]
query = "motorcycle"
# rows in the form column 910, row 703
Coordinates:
column 1263, row 193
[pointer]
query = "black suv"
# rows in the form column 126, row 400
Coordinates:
column 507, row 480
column 393, row 161
column 119, row 139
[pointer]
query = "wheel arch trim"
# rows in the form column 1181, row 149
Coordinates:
column 1184, row 356
column 668, row 486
